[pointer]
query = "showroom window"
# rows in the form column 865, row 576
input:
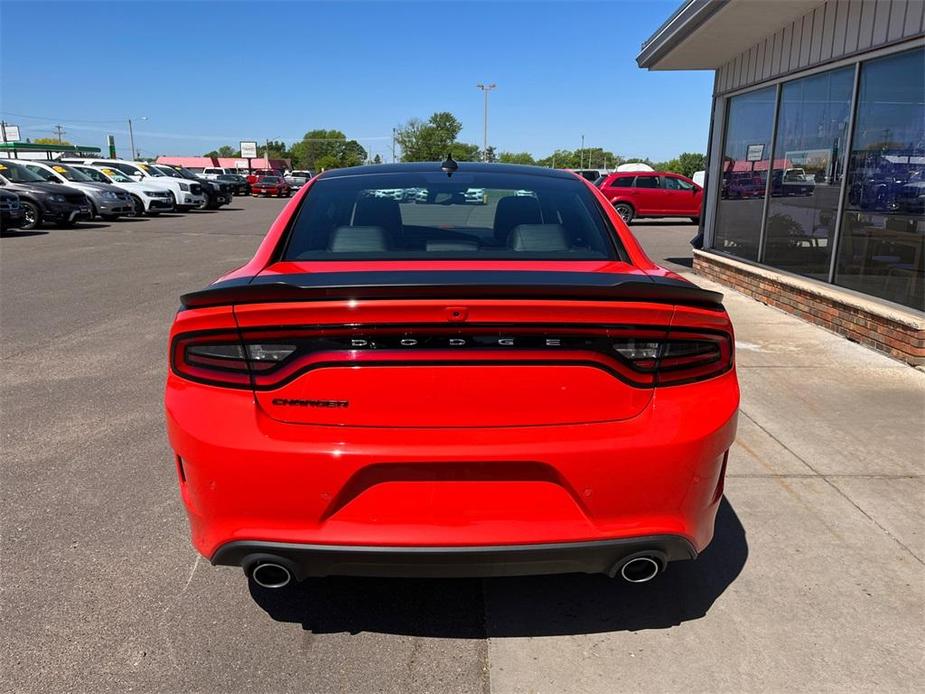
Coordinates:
column 880, row 248
column 806, row 173
column 746, row 153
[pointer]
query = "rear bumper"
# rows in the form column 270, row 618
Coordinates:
column 304, row 560
column 247, row 478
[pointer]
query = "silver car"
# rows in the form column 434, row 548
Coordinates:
column 107, row 201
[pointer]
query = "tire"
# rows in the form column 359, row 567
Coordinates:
column 625, row 210
column 32, row 219
column 174, row 197
column 139, row 207
column 109, row 217
column 206, row 204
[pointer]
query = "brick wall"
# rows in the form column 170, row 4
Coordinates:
column 903, row 338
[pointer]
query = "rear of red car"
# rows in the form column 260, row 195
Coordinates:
column 436, row 389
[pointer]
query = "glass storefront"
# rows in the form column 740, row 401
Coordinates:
column 880, row 245
column 807, row 173
column 883, row 228
column 746, row 153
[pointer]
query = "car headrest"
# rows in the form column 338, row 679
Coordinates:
column 538, row 237
column 379, row 212
column 513, row 210
column 451, row 245
column 358, row 240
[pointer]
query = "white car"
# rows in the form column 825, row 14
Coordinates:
column 106, row 201
column 213, row 172
column 186, row 194
column 147, row 200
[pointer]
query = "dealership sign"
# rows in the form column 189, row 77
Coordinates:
column 248, row 149
column 10, row 133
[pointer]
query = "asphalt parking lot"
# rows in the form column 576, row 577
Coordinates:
column 814, row 581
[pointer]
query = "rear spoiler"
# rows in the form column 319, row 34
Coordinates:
column 430, row 284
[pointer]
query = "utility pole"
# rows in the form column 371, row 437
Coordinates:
column 485, row 89
column 394, row 138
column 131, row 137
column 59, row 131
column 581, row 154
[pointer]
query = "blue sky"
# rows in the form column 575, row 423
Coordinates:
column 213, row 73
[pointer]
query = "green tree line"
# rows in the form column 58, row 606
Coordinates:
column 433, row 139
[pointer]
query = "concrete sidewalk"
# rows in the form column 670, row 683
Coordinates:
column 815, row 579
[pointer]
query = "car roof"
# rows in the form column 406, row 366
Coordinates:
column 434, row 166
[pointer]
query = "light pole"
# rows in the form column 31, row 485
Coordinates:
column 485, row 89
column 131, row 136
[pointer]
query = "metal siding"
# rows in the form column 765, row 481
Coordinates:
column 854, row 27
column 828, row 30
column 914, row 13
column 786, row 44
column 817, row 32
column 897, row 20
column 881, row 23
column 775, row 53
column 806, row 39
column 796, row 36
column 840, row 29
column 866, row 31
column 762, row 53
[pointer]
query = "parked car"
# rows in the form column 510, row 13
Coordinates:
column 106, row 201
column 216, row 193
column 43, row 202
column 590, row 174
column 146, row 200
column 213, row 172
column 12, row 214
column 475, row 196
column 186, row 194
column 238, row 183
column 636, row 194
column 297, row 179
column 267, row 186
column 257, row 173
column 388, row 390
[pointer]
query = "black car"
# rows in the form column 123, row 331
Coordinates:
column 238, row 183
column 43, row 202
column 217, row 193
column 12, row 214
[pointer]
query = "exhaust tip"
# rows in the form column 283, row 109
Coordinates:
column 270, row 575
column 640, row 569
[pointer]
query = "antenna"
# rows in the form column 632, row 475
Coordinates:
column 449, row 166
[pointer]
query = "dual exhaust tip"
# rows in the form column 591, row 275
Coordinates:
column 636, row 569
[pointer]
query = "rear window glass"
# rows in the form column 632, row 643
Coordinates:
column 433, row 216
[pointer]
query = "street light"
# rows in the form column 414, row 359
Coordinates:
column 131, row 136
column 485, row 89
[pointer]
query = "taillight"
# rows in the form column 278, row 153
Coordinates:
column 683, row 357
column 643, row 357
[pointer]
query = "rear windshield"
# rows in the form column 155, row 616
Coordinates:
column 468, row 215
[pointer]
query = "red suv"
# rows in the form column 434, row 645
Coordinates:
column 652, row 194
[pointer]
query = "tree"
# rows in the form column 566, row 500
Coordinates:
column 49, row 141
column 225, row 151
column 516, row 158
column 434, row 139
column 489, row 154
column 274, row 149
column 326, row 149
column 377, row 159
column 690, row 162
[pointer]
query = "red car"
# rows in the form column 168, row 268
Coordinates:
column 394, row 389
column 257, row 173
column 637, row 194
column 274, row 186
